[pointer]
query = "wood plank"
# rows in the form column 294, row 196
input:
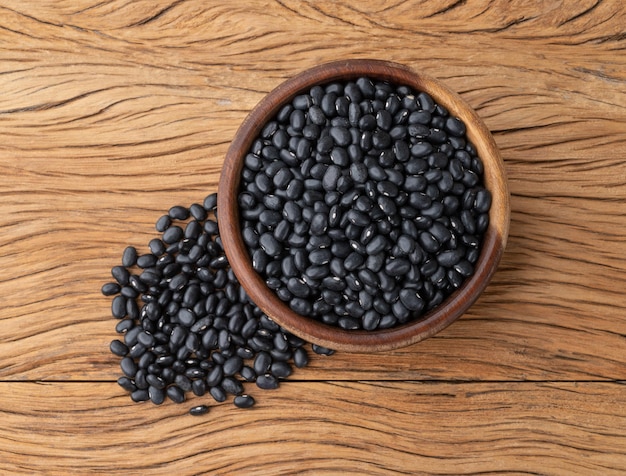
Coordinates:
column 320, row 428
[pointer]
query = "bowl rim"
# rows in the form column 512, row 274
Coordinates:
column 494, row 238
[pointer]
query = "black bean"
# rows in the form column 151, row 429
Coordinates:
column 129, row 257
column 331, row 176
column 376, row 245
column 109, row 289
column 384, row 120
column 120, row 274
column 127, row 384
column 146, row 261
column 267, row 382
column 397, row 267
column 483, row 201
column 381, row 139
column 318, row 349
column 421, row 149
column 128, row 366
column 140, row 395
column 178, row 213
column 173, row 234
column 270, row 245
column 280, row 369
column 340, row 135
column 412, row 300
column 186, row 317
column 129, row 292
column 232, row 385
column 118, row 348
column 320, row 256
column 118, row 307
column 199, row 410
column 244, row 401
column 455, row 126
column 232, row 365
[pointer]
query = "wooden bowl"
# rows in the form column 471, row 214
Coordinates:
column 494, row 239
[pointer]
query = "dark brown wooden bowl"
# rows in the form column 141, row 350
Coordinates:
column 494, row 240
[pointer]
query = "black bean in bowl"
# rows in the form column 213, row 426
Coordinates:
column 362, row 204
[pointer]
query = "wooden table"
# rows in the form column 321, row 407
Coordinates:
column 113, row 111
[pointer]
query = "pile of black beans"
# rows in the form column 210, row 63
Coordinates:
column 187, row 324
column 363, row 204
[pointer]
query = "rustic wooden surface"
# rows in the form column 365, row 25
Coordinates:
column 112, row 111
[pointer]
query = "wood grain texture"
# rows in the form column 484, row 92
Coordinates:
column 373, row 428
column 112, row 111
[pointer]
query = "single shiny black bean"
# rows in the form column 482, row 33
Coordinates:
column 117, row 347
column 339, row 156
column 483, row 201
column 128, row 366
column 120, row 274
column 421, row 149
column 435, row 210
column 232, row 385
column 157, row 247
column 366, row 87
column 318, row 349
column 331, row 176
column 298, row 287
column 455, row 126
column 118, row 307
column 348, row 323
column 381, row 139
column 129, row 256
column 482, row 222
column 186, row 317
column 127, row 384
column 340, row 135
column 397, row 267
column 173, row 234
column 244, row 401
column 464, row 268
column 301, row 306
column 384, row 119
column 248, row 374
column 316, row 115
column 163, row 223
column 129, row 292
column 429, row 242
column 320, row 256
column 280, row 369
column 146, row 339
column 292, row 212
column 109, row 289
column 124, row 326
column 353, row 261
column 199, row 410
column 374, row 263
column 155, row 381
column 376, row 245
column 262, row 362
column 140, row 395
column 412, row 300
column 270, row 245
column 267, row 382
column 218, row 393
column 232, row 365
column 198, row 387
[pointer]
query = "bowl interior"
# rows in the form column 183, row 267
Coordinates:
column 494, row 239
